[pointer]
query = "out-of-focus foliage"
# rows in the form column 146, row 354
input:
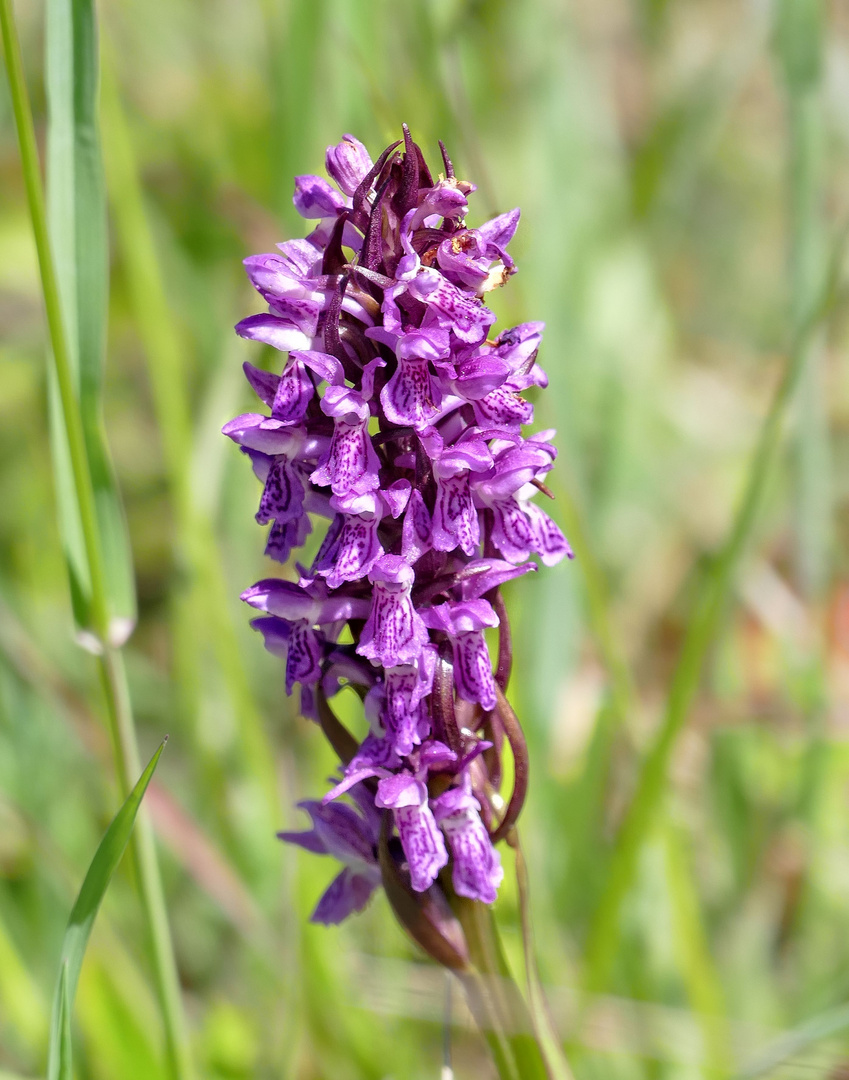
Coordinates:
column 682, row 170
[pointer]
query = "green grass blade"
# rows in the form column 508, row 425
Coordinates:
column 83, row 914
column 695, row 960
column 64, row 1055
column 799, row 40
column 792, row 1043
column 76, row 208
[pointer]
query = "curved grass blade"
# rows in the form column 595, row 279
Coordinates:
column 81, row 920
column 76, row 206
column 792, row 1043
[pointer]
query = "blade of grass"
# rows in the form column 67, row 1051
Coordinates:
column 92, row 571
column 546, row 1033
column 790, row 1044
column 79, row 486
column 81, row 921
column 710, row 603
column 695, row 960
column 798, row 43
column 76, row 213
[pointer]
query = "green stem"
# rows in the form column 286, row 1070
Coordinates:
column 798, row 44
column 147, row 868
column 111, row 665
column 494, row 998
column 638, row 820
column 544, row 1028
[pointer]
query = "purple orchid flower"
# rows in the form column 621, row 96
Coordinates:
column 340, row 831
column 395, row 430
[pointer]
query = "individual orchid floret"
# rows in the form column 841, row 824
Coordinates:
column 340, row 831
column 421, row 839
column 464, row 622
column 476, row 870
column 455, row 521
column 351, row 465
column 348, row 163
column 403, row 712
column 394, row 440
column 394, row 633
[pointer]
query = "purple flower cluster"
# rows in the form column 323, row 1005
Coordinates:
column 398, row 420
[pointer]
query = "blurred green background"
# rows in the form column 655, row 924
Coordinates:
column 682, row 170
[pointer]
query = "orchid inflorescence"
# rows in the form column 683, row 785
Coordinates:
column 398, row 420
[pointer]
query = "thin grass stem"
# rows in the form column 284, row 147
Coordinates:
column 83, row 487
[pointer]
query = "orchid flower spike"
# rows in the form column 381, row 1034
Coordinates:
column 393, row 428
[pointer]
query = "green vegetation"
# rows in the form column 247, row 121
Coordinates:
column 684, row 683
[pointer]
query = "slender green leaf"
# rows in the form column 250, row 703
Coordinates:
column 65, row 1057
column 792, row 1043
column 77, row 226
column 83, row 914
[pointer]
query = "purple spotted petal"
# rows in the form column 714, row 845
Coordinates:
column 476, row 871
column 417, row 529
column 455, row 519
column 403, row 715
column 468, row 318
column 550, row 543
column 284, row 537
column 511, row 531
column 473, row 669
column 394, row 633
column 283, row 495
column 351, row 465
column 337, row 830
column 502, row 408
column 303, row 660
column 412, row 396
column 375, row 752
column 420, row 837
column 301, row 312
column 464, row 622
column 356, row 551
column 292, row 395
